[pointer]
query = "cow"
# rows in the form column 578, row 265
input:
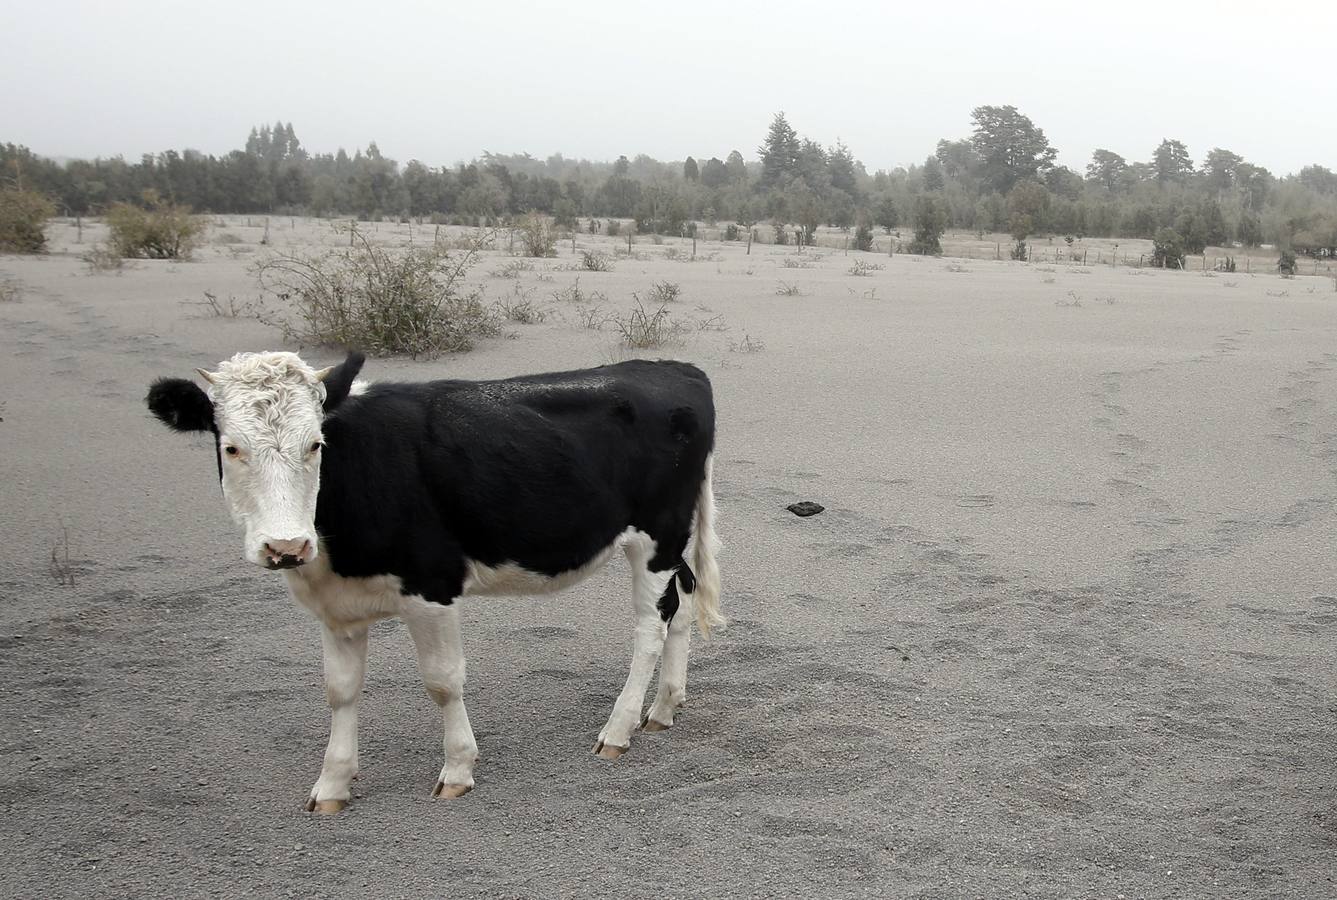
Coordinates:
column 398, row 499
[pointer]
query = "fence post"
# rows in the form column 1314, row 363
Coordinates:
column 750, row 232
column 693, row 246
column 79, row 224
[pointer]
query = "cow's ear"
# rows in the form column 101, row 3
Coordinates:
column 338, row 380
column 181, row 405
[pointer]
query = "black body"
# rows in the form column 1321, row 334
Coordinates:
column 543, row 471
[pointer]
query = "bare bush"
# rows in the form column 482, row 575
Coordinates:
column 595, row 262
column 662, row 292
column 788, row 289
column 647, row 329
column 212, row 306
column 11, row 291
column 512, row 269
column 572, row 293
column 747, row 345
column 864, row 268
column 102, row 259
column 592, row 318
column 537, row 235
column 364, row 297
column 159, row 230
column 23, row 217
column 521, row 308
column 59, row 565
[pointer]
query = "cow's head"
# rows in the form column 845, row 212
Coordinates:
column 266, row 412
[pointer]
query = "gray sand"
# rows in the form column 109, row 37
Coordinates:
column 1064, row 629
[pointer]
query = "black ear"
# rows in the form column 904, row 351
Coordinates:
column 340, row 381
column 181, row 405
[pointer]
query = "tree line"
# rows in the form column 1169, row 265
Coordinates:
column 1002, row 177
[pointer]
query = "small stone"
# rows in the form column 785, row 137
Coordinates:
column 805, row 508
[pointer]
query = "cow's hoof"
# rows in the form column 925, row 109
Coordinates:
column 649, row 724
column 609, row 751
column 325, row 807
column 451, row 791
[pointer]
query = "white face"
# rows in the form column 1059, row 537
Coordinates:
column 268, row 409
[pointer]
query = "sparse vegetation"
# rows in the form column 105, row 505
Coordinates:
column 647, row 329
column 747, row 345
column 1072, row 299
column 11, row 291
column 23, row 217
column 664, row 292
column 864, row 268
column 157, row 230
column 1286, row 263
column 592, row 318
column 537, row 235
column 102, row 259
column 788, row 289
column 59, row 565
column 520, row 307
column 369, row 298
column 512, row 268
column 212, row 306
column 591, row 261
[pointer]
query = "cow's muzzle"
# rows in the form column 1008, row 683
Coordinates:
column 287, row 554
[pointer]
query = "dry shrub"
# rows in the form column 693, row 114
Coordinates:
column 573, row 294
column 748, row 344
column 647, row 329
column 102, row 259
column 23, row 216
column 788, row 289
column 865, row 268
column 158, row 230
column 371, row 299
column 512, row 269
column 595, row 262
column 663, row 292
column 521, row 308
column 11, row 291
column 537, row 236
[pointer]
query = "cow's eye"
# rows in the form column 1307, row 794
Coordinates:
column 230, row 450
column 315, row 447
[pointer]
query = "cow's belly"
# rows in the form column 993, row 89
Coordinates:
column 512, row 580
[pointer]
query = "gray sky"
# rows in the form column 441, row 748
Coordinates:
column 444, row 81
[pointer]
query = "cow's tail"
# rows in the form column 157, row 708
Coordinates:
column 706, row 546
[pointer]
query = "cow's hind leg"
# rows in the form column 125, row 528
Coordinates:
column 672, row 691
column 345, row 667
column 436, row 635
column 647, row 587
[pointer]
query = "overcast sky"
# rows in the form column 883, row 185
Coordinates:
column 443, row 82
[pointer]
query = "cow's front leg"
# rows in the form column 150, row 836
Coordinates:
column 345, row 667
column 436, row 635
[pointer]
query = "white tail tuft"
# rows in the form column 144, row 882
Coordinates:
column 706, row 545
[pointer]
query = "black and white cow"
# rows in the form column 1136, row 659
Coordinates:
column 397, row 499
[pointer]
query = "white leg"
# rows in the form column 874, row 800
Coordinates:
column 345, row 667
column 672, row 669
column 436, row 635
column 646, row 587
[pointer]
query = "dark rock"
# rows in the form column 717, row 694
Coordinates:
column 805, row 508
